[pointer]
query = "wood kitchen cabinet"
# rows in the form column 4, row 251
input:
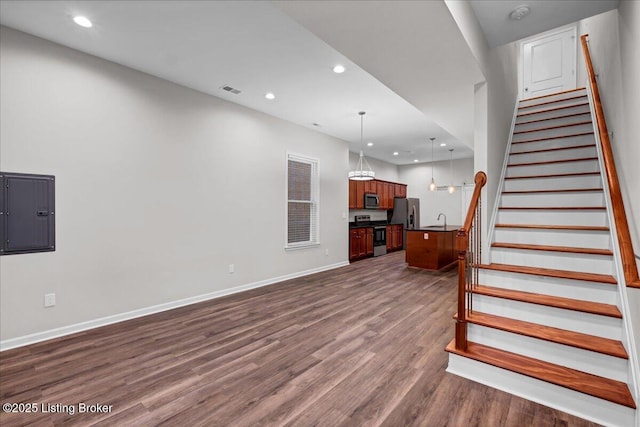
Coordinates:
column 360, row 242
column 432, row 248
column 400, row 190
column 394, row 237
column 386, row 192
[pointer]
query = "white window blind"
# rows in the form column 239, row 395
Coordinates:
column 302, row 201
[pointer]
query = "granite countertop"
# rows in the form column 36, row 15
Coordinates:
column 438, row 228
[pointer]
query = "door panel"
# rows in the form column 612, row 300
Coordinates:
column 549, row 64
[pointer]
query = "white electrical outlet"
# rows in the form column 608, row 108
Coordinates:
column 49, row 300
column 232, row 268
column 326, row 252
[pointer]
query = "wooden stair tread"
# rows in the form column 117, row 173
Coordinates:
column 546, row 150
column 555, row 227
column 555, row 101
column 591, row 307
column 553, row 109
column 565, row 190
column 567, row 249
column 550, row 162
column 553, row 175
column 550, row 272
column 547, row 333
column 593, row 385
column 555, row 208
column 553, row 127
column 566, row 116
column 578, row 89
column 552, row 137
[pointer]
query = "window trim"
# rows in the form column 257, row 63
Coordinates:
column 315, row 201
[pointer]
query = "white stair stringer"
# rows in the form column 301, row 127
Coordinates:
column 552, row 215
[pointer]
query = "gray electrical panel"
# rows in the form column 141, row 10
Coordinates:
column 27, row 213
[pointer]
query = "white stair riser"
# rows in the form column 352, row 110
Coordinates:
column 553, row 217
column 599, row 264
column 575, row 358
column 553, row 183
column 561, row 398
column 534, row 107
column 592, row 324
column 546, row 156
column 552, row 98
column 546, row 144
column 554, row 168
column 562, row 119
column 553, row 133
column 581, row 107
column 573, row 238
column 568, row 199
column 565, row 288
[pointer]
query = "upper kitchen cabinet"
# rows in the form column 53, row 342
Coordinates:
column 385, row 190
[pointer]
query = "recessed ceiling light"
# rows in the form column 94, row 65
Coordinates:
column 369, row 144
column 415, row 160
column 270, row 95
column 316, row 124
column 395, row 153
column 519, row 12
column 83, row 21
column 443, row 145
column 338, row 69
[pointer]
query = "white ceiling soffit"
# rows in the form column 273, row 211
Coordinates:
column 256, row 48
column 413, row 47
column 499, row 29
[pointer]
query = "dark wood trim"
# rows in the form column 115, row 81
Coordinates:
column 549, row 248
column 553, row 127
column 552, row 137
column 554, row 118
column 555, row 227
column 546, row 150
column 554, row 175
column 550, row 272
column 554, row 94
column 550, row 162
column 590, row 307
column 551, row 102
column 593, row 385
column 579, row 340
column 629, row 265
column 569, row 190
column 552, row 109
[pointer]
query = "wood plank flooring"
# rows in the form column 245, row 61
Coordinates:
column 359, row 345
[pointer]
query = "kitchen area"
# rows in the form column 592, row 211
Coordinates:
column 383, row 220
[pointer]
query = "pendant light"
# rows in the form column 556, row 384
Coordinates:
column 432, row 186
column 451, row 187
column 360, row 173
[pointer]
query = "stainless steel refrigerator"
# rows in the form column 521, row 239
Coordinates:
column 407, row 213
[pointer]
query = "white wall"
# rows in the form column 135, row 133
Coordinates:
column 418, row 178
column 384, row 171
column 158, row 189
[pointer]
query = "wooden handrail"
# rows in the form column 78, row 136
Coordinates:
column 629, row 265
column 462, row 245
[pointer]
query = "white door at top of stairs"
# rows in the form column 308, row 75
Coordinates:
column 548, row 63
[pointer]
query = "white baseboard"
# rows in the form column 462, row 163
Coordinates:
column 108, row 320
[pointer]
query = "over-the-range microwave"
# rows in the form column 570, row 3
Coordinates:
column 371, row 201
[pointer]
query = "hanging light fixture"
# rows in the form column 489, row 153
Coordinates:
column 451, row 187
column 432, row 186
column 360, row 173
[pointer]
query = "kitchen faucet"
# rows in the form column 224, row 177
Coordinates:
column 445, row 219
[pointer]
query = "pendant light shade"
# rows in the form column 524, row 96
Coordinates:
column 432, row 186
column 363, row 171
column 451, row 187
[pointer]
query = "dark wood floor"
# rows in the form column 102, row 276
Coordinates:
column 360, row 345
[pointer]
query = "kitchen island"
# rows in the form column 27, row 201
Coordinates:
column 432, row 248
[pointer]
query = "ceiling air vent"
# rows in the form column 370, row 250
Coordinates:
column 230, row 89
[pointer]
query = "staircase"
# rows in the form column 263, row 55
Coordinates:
column 546, row 322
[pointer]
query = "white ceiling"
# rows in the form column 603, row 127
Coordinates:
column 407, row 64
column 493, row 16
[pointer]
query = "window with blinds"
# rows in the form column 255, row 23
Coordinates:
column 302, row 201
